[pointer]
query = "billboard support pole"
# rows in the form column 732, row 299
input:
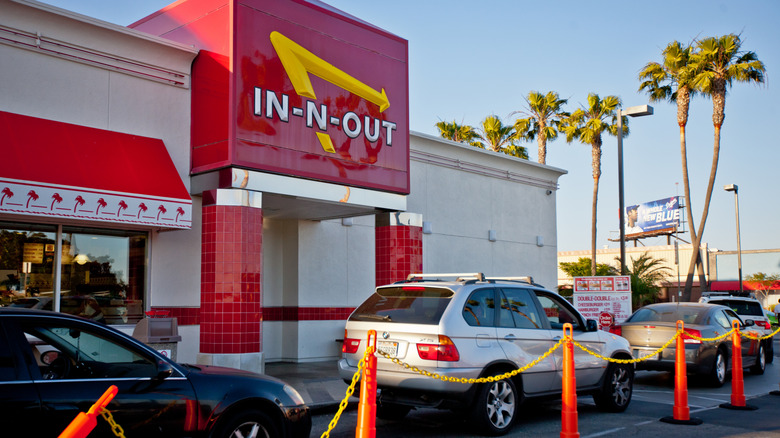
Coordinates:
column 621, row 200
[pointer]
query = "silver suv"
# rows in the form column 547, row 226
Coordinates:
column 746, row 307
column 471, row 326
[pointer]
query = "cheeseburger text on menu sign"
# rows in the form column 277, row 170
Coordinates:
column 594, row 296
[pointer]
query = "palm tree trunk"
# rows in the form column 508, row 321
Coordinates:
column 541, row 141
column 718, row 115
column 596, row 163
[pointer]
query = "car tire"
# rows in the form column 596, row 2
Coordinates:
column 769, row 351
column 391, row 411
column 615, row 394
column 496, row 407
column 717, row 376
column 760, row 365
column 247, row 423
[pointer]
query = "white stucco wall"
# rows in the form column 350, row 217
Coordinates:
column 38, row 83
column 335, row 264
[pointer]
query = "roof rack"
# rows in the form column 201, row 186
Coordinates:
column 527, row 279
column 458, row 277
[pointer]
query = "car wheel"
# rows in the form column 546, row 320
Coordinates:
column 495, row 408
column 769, row 351
column 717, row 376
column 391, row 411
column 618, row 387
column 250, row 423
column 760, row 365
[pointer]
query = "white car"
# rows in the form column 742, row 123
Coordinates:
column 469, row 326
column 748, row 308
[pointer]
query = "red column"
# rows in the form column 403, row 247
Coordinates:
column 398, row 246
column 231, row 279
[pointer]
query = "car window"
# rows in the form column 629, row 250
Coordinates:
column 688, row 315
column 404, row 304
column 71, row 352
column 722, row 320
column 732, row 316
column 7, row 364
column 556, row 312
column 518, row 309
column 480, row 308
column 751, row 308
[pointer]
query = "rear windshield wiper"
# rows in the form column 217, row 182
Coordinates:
column 374, row 316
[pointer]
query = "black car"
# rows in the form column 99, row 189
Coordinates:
column 53, row 366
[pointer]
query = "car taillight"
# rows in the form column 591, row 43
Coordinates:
column 350, row 345
column 616, row 330
column 445, row 350
column 693, row 332
column 763, row 324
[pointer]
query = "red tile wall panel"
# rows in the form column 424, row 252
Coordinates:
column 398, row 252
column 231, row 280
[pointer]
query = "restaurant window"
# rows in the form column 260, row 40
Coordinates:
column 102, row 274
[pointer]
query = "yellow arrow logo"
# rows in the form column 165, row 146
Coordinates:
column 299, row 62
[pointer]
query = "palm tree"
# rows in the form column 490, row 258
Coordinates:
column 461, row 133
column 719, row 62
column 646, row 273
column 541, row 119
column 586, row 125
column 500, row 138
column 672, row 80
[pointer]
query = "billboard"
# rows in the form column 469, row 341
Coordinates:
column 652, row 217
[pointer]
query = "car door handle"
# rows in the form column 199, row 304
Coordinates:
column 557, row 338
column 510, row 337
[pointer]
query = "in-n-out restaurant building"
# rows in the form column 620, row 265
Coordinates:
column 245, row 165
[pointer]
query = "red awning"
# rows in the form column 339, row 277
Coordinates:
column 733, row 285
column 63, row 170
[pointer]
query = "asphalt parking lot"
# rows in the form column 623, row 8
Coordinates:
column 653, row 399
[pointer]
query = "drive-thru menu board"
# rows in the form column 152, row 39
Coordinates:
column 598, row 297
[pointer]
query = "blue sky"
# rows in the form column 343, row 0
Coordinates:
column 468, row 60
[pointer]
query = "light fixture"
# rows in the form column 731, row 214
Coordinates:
column 634, row 111
column 734, row 188
column 81, row 259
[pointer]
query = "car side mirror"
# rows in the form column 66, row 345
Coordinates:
column 591, row 325
column 749, row 323
column 164, row 370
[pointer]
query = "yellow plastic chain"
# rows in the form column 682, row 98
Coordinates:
column 506, row 375
column 542, row 357
column 761, row 338
column 117, row 429
column 350, row 391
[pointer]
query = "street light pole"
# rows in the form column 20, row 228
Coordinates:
column 735, row 188
column 634, row 111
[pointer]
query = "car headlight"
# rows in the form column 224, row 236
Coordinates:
column 294, row 395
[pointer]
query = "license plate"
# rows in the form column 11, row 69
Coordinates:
column 642, row 353
column 388, row 347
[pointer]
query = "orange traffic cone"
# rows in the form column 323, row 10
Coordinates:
column 83, row 424
column 366, row 424
column 737, row 381
column 569, row 428
column 681, row 411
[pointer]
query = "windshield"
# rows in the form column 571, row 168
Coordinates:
column 404, row 304
column 688, row 315
column 751, row 308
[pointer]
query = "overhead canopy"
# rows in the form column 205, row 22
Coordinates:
column 63, row 170
column 733, row 285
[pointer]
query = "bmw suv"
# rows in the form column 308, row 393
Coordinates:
column 472, row 326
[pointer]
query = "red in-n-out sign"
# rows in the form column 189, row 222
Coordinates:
column 596, row 296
